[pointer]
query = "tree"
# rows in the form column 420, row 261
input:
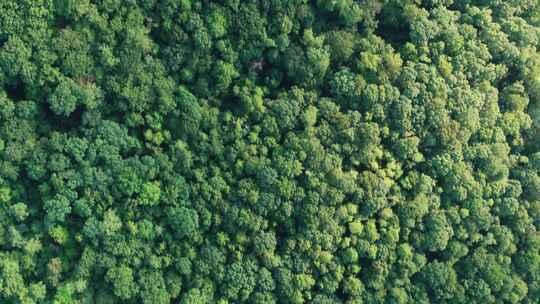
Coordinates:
column 329, row 151
column 123, row 282
column 150, row 193
column 184, row 221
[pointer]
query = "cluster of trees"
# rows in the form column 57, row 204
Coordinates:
column 190, row 151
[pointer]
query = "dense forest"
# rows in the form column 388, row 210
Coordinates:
column 269, row 151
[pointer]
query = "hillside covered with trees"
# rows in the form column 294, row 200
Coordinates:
column 269, row 151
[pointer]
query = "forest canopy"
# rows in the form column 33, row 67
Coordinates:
column 269, row 151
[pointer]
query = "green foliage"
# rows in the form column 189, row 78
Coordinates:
column 184, row 221
column 269, row 151
column 122, row 279
column 150, row 193
column 68, row 95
